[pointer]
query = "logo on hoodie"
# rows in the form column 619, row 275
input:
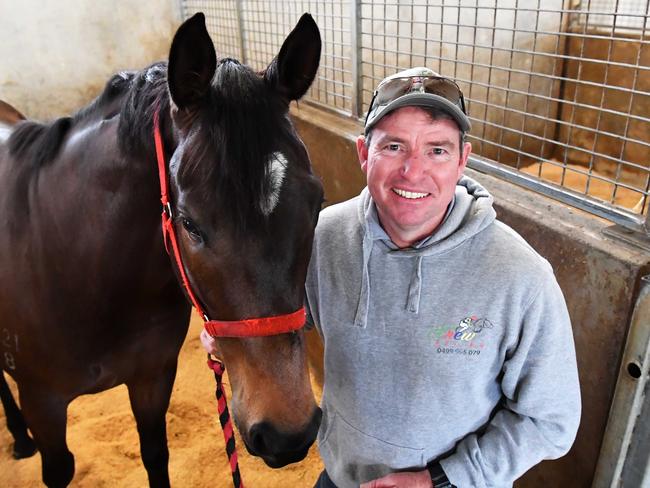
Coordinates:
column 468, row 337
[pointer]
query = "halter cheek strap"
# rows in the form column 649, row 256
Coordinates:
column 255, row 327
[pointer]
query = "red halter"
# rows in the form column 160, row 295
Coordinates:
column 265, row 326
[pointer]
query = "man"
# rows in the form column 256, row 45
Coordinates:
column 449, row 356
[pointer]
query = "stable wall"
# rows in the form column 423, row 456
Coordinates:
column 599, row 277
column 56, row 56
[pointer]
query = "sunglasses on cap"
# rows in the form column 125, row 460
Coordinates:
column 395, row 88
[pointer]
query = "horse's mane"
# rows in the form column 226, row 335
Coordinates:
column 148, row 92
column 39, row 143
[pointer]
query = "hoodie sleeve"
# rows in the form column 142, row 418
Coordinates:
column 540, row 409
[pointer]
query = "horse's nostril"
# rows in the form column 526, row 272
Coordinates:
column 259, row 437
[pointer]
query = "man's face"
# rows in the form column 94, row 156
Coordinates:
column 412, row 166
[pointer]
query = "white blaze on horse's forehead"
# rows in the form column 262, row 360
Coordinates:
column 277, row 168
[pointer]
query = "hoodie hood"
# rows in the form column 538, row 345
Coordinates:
column 470, row 211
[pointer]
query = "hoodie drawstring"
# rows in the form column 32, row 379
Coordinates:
column 415, row 287
column 361, row 317
column 414, row 293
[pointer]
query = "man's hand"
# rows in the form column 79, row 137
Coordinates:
column 208, row 342
column 419, row 479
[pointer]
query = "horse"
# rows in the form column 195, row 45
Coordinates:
column 89, row 296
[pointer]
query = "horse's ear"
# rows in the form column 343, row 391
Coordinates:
column 294, row 68
column 192, row 62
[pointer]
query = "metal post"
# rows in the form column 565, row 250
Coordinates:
column 180, row 9
column 240, row 29
column 629, row 226
column 624, row 459
column 355, row 57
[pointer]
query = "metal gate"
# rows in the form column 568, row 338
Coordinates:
column 558, row 91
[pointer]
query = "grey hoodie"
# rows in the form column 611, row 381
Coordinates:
column 458, row 349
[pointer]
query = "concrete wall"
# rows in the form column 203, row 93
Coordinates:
column 599, row 277
column 56, row 55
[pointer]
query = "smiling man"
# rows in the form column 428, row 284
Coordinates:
column 449, row 355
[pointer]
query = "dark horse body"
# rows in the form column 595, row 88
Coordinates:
column 89, row 297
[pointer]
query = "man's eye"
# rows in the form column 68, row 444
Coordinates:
column 393, row 147
column 438, row 151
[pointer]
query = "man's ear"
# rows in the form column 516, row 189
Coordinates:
column 362, row 152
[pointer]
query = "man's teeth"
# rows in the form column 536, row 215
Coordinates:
column 409, row 194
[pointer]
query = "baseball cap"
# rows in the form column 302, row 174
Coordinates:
column 420, row 87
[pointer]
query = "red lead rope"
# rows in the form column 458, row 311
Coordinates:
column 226, row 424
column 265, row 326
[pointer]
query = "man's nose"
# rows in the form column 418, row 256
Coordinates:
column 413, row 166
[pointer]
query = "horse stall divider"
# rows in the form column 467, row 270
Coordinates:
column 624, row 459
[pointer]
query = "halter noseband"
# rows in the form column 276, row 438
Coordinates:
column 265, row 326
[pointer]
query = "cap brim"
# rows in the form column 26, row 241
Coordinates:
column 421, row 100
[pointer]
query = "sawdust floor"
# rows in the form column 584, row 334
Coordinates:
column 575, row 177
column 102, row 436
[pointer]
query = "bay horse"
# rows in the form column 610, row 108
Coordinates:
column 89, row 297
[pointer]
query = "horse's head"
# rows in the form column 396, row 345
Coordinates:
column 246, row 203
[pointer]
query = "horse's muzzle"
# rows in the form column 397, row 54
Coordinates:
column 278, row 449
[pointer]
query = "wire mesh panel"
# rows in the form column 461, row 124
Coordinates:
column 222, row 21
column 548, row 92
column 558, row 90
column 622, row 15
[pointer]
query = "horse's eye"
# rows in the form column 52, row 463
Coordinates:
column 192, row 230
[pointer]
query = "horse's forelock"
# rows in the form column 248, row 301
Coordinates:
column 234, row 81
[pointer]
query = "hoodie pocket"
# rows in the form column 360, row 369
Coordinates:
column 352, row 456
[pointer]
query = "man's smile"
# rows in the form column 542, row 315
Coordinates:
column 411, row 195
